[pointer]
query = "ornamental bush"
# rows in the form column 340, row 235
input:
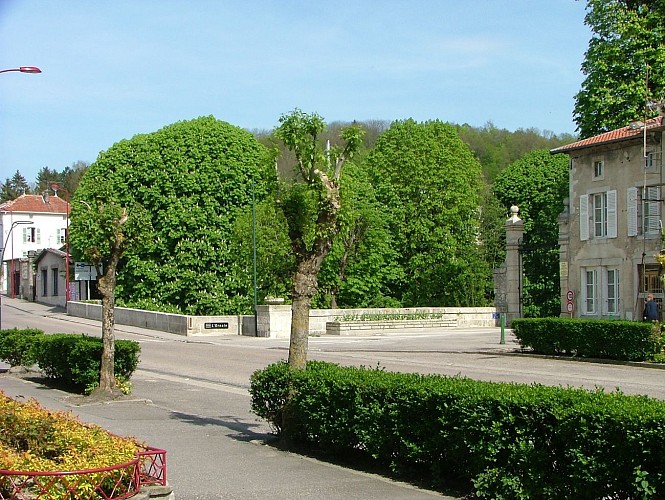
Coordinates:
column 498, row 440
column 622, row 340
column 38, row 440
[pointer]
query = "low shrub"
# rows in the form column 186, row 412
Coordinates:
column 15, row 346
column 37, row 440
column 621, row 340
column 76, row 359
column 500, row 440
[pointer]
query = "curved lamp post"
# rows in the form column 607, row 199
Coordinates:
column 2, row 256
column 56, row 188
column 23, row 69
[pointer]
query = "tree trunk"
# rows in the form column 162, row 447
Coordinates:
column 304, row 288
column 107, row 289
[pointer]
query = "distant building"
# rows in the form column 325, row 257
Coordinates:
column 30, row 224
column 610, row 233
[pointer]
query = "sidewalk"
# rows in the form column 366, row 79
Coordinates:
column 215, row 447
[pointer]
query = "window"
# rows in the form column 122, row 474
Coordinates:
column 54, row 277
column 643, row 211
column 31, row 235
column 44, row 282
column 612, row 291
column 61, row 235
column 600, row 291
column 650, row 279
column 598, row 215
column 589, row 291
column 598, row 169
column 652, row 159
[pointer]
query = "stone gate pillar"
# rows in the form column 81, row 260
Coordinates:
column 514, row 233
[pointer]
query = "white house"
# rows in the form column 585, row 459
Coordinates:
column 30, row 224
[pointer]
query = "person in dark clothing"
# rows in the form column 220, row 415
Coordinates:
column 650, row 309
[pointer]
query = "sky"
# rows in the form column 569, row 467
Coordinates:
column 114, row 69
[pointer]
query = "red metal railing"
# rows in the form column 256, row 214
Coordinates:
column 109, row 483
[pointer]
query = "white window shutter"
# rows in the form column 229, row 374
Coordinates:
column 653, row 195
column 611, row 214
column 631, row 209
column 584, row 217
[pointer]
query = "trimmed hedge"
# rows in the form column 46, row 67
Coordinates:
column 76, row 359
column 15, row 345
column 622, row 340
column 69, row 358
column 500, row 440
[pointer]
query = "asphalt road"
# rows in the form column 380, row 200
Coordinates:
column 192, row 398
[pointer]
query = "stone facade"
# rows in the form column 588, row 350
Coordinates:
column 610, row 231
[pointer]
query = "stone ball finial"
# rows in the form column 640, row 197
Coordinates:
column 514, row 210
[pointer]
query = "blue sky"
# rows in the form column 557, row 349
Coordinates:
column 114, row 69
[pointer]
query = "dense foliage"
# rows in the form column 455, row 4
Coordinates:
column 188, row 181
column 500, row 440
column 627, row 47
column 362, row 264
column 430, row 184
column 537, row 184
column 624, row 340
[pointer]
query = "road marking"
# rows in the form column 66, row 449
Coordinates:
column 216, row 386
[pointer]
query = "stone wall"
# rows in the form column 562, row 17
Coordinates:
column 275, row 320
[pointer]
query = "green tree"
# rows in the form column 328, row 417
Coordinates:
column 431, row 184
column 496, row 148
column 362, row 263
column 537, row 184
column 103, row 227
column 628, row 36
column 45, row 178
column 274, row 259
column 13, row 187
column 194, row 178
column 311, row 204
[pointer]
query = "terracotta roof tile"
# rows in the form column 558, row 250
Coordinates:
column 35, row 203
column 617, row 135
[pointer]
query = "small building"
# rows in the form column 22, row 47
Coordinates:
column 610, row 234
column 29, row 224
column 49, row 277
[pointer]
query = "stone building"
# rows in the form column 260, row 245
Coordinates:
column 610, row 232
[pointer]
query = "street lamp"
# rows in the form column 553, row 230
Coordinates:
column 2, row 256
column 23, row 69
column 56, row 188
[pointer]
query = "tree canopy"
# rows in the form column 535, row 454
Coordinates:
column 626, row 49
column 537, row 184
column 431, row 184
column 192, row 178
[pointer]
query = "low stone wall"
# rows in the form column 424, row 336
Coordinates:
column 275, row 320
column 466, row 317
column 180, row 324
column 386, row 326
